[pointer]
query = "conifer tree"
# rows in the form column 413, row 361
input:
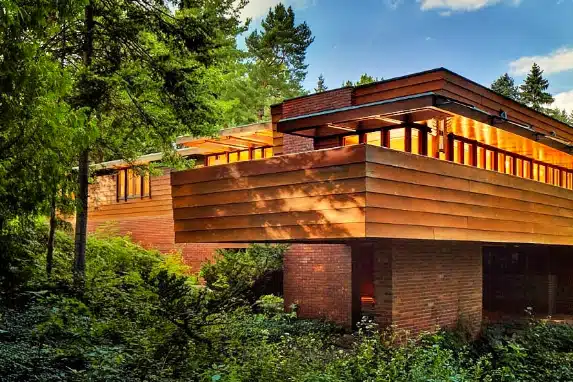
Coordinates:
column 505, row 85
column 364, row 80
column 138, row 73
column 320, row 85
column 278, row 54
column 533, row 92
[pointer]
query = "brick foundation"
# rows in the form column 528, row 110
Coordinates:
column 416, row 285
column 317, row 277
column 421, row 285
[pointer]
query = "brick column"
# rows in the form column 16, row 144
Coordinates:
column 318, row 278
column 421, row 285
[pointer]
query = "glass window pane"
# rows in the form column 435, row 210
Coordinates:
column 415, row 141
column 489, row 159
column 467, row 154
column 350, row 140
column 397, row 137
column 146, row 185
column 121, row 184
column 374, row 138
column 244, row 155
column 268, row 152
column 233, row 157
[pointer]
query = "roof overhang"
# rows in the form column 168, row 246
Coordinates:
column 232, row 139
column 413, row 108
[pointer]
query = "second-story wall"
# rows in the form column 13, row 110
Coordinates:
column 148, row 220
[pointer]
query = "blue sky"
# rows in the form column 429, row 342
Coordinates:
column 479, row 39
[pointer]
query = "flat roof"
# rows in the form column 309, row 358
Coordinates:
column 229, row 139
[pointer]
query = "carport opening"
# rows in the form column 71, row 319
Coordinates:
column 520, row 281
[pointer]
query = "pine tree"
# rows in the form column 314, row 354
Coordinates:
column 505, row 85
column 364, row 80
column 320, row 85
column 278, row 54
column 533, row 91
column 559, row 114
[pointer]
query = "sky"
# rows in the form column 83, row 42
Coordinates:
column 479, row 39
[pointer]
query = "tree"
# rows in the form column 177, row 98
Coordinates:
column 364, row 80
column 320, row 85
column 277, row 57
column 559, row 114
column 139, row 74
column 505, row 85
column 36, row 125
column 533, row 91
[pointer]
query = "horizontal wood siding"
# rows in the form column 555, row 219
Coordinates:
column 103, row 203
column 366, row 191
column 411, row 196
column 318, row 195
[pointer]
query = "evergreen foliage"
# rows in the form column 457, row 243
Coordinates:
column 320, row 85
column 142, row 318
column 505, row 85
column 533, row 92
column 365, row 79
column 277, row 55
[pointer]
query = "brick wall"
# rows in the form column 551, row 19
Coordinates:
column 433, row 283
column 317, row 277
column 296, row 144
column 328, row 100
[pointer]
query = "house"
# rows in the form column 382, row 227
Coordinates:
column 422, row 200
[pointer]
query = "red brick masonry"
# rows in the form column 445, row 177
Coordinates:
column 329, row 100
column 317, row 277
column 418, row 285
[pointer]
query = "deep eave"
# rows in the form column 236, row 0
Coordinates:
column 439, row 91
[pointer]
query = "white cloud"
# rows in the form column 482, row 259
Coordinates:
column 256, row 9
column 448, row 6
column 564, row 101
column 559, row 61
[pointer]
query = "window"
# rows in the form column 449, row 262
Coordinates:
column 397, row 137
column 238, row 156
column 374, row 138
column 132, row 184
column 350, row 140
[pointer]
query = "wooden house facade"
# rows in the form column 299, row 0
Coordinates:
column 422, row 200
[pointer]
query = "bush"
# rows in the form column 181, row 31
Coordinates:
column 244, row 275
column 142, row 318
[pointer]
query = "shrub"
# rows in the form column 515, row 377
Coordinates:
column 142, row 318
column 244, row 275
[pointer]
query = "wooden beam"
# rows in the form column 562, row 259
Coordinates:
column 423, row 142
column 408, row 139
column 230, row 145
column 473, row 153
column 450, row 147
column 386, row 138
column 372, row 110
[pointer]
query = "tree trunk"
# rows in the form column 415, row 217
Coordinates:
column 79, row 269
column 81, row 222
column 51, row 235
